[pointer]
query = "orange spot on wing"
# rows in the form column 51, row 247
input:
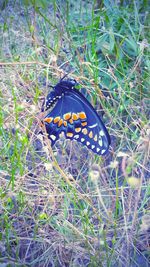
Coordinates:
column 75, row 116
column 91, row 134
column 82, row 115
column 56, row 119
column 67, row 116
column 77, row 130
column 84, row 123
column 69, row 134
column 71, row 121
column 65, row 123
column 60, row 123
column 95, row 138
column 84, row 131
column 48, row 120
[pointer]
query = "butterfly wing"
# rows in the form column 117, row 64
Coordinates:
column 76, row 117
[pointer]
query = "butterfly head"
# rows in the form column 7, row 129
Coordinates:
column 64, row 85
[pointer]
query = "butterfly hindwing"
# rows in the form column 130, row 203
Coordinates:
column 76, row 117
column 97, row 133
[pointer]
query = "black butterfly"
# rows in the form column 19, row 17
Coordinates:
column 75, row 116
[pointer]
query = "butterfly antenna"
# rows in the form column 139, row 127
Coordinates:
column 64, row 77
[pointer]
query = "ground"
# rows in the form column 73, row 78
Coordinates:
column 66, row 206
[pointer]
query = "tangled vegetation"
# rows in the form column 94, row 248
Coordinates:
column 67, row 206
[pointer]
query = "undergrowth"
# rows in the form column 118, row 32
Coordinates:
column 66, row 206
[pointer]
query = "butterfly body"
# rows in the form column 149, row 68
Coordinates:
column 75, row 117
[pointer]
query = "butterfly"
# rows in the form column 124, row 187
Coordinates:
column 72, row 114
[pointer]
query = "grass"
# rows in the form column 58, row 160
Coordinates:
column 67, row 206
